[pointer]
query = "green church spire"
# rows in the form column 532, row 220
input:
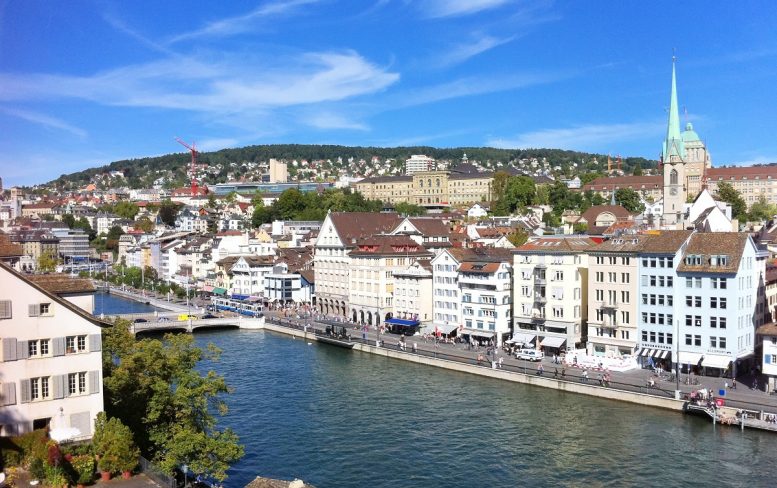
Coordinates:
column 673, row 145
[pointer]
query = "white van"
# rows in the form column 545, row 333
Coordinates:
column 529, row 354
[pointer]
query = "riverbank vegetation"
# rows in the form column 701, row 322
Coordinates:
column 155, row 388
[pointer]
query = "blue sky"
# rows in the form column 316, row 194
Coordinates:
column 84, row 83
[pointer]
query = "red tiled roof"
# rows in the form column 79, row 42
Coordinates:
column 557, row 245
column 484, row 268
column 740, row 173
column 634, row 182
column 351, row 226
column 593, row 213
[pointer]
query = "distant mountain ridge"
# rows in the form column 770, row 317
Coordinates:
column 239, row 162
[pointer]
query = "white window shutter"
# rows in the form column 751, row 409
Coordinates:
column 9, row 394
column 6, row 307
column 95, row 342
column 94, row 382
column 58, row 346
column 60, row 384
column 25, row 387
column 22, row 349
column 34, row 310
column 9, row 349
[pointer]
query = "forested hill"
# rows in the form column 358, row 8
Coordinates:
column 357, row 161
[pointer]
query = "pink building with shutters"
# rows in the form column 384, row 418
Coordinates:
column 51, row 364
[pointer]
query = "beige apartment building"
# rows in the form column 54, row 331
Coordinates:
column 613, row 282
column 374, row 263
column 429, row 188
column 336, row 239
column 413, row 290
column 550, row 276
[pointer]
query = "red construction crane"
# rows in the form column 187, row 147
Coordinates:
column 193, row 150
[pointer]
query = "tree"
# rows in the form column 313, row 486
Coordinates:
column 47, row 262
column 289, row 203
column 629, row 199
column 637, row 170
column 762, row 210
column 69, row 220
column 154, row 387
column 125, row 209
column 168, row 212
column 231, row 197
column 409, row 209
column 145, row 224
column 586, row 178
column 518, row 237
column 84, row 225
column 728, row 194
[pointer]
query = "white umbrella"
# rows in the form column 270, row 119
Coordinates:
column 64, row 433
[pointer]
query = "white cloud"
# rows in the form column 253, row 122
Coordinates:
column 582, row 137
column 329, row 120
column 44, row 120
column 451, row 8
column 242, row 23
column 758, row 159
column 216, row 86
column 463, row 52
column 217, row 144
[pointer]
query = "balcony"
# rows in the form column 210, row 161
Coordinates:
column 540, row 280
column 540, row 299
column 538, row 318
column 610, row 304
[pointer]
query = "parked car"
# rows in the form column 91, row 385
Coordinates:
column 209, row 316
column 529, row 354
column 138, row 321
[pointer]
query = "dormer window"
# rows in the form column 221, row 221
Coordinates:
column 693, row 260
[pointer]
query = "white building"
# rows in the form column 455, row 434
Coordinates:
column 551, row 292
column 719, row 304
column 485, row 283
column 766, row 337
column 51, row 355
column 283, row 287
column 418, row 163
column 413, row 292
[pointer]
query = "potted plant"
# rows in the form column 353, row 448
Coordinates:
column 114, row 442
column 83, row 464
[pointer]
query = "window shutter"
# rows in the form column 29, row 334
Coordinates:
column 34, row 309
column 25, row 387
column 95, row 342
column 5, row 309
column 9, row 349
column 59, row 385
column 58, row 346
column 9, row 394
column 82, row 422
column 94, row 382
column 22, row 349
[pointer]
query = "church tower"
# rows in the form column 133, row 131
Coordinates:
column 673, row 158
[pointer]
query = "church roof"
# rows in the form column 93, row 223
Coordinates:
column 690, row 135
column 673, row 144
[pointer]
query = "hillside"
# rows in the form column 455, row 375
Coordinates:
column 328, row 162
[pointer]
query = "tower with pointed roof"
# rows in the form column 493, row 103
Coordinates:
column 673, row 158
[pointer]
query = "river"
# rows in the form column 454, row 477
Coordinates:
column 114, row 305
column 338, row 418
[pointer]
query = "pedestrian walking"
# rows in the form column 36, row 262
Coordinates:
column 501, row 361
column 540, row 370
column 585, row 375
column 415, row 347
column 563, row 373
column 733, row 383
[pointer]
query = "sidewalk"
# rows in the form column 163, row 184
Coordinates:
column 633, row 380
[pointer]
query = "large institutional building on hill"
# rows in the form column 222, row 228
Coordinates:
column 430, row 188
column 686, row 170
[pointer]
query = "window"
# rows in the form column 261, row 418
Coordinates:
column 714, row 322
column 697, row 302
column 673, row 177
column 624, row 297
column 652, row 337
column 74, row 344
column 660, row 337
column 697, row 340
column 688, row 340
column 625, row 276
column 76, row 383
column 688, row 301
column 668, row 338
column 39, row 388
column 713, row 302
column 644, row 299
column 644, row 336
column 722, row 342
column 714, row 342
column 612, row 277
column 722, row 302
column 39, row 309
column 558, row 276
column 722, row 322
column 5, row 309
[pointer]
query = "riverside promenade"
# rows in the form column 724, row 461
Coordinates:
column 629, row 386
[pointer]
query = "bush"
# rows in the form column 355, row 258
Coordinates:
column 21, row 450
column 55, row 476
column 114, row 442
column 83, row 465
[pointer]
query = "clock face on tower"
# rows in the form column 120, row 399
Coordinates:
column 673, row 191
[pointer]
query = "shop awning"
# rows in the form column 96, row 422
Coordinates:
column 406, row 323
column 653, row 353
column 522, row 337
column 479, row 333
column 715, row 361
column 219, row 291
column 235, row 296
column 690, row 357
column 551, row 341
column 445, row 328
column 207, row 289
